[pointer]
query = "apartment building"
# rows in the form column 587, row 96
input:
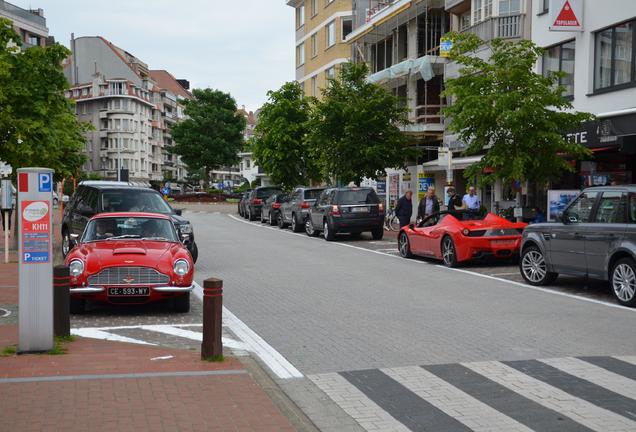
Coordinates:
column 599, row 63
column 30, row 24
column 321, row 29
column 130, row 111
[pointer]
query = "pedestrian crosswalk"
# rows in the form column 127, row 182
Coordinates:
column 563, row 394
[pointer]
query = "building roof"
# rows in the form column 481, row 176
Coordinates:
column 167, row 81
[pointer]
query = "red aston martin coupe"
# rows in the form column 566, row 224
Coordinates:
column 130, row 258
column 455, row 237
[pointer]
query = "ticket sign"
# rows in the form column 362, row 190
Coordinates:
column 36, row 232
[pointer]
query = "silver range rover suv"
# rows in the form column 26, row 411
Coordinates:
column 594, row 237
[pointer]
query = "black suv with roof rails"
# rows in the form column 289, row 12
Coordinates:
column 346, row 210
column 93, row 197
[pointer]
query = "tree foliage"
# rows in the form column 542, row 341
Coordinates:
column 517, row 117
column 212, row 134
column 38, row 126
column 354, row 129
column 280, row 146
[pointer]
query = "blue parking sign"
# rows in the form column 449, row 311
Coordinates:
column 45, row 182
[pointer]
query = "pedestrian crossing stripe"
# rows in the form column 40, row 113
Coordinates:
column 563, row 394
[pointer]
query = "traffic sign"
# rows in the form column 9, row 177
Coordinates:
column 45, row 181
column 566, row 15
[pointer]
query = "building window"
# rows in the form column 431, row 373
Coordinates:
column 560, row 58
column 314, row 86
column 330, row 31
column 487, row 9
column 330, row 73
column 509, row 7
column 546, row 5
column 300, row 54
column 247, row 163
column 347, row 27
column 614, row 56
column 477, row 10
column 464, row 21
column 328, row 2
column 300, row 16
column 33, row 40
column 314, row 45
column 314, row 8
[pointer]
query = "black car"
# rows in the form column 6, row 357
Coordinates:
column 294, row 212
column 256, row 199
column 93, row 197
column 346, row 210
column 242, row 203
column 270, row 212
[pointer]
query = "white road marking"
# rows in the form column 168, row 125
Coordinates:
column 278, row 364
column 627, row 359
column 95, row 333
column 168, row 357
column 188, row 334
column 514, row 283
column 505, row 274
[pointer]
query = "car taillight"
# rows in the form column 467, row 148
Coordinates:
column 257, row 201
column 276, row 205
column 304, row 205
column 335, row 210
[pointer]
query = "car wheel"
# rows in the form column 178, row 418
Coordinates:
column 194, row 251
column 280, row 221
column 534, row 268
column 273, row 219
column 378, row 233
column 295, row 226
column 250, row 216
column 77, row 306
column 182, row 303
column 66, row 243
column 404, row 246
column 449, row 255
column 623, row 281
column 328, row 233
column 309, row 228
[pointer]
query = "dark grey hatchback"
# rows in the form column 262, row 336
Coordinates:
column 595, row 238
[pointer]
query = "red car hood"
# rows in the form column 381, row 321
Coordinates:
column 491, row 221
column 127, row 252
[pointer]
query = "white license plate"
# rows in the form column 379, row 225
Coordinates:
column 128, row 291
column 360, row 210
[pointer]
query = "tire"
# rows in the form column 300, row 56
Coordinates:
column 77, row 306
column 66, row 243
column 194, row 252
column 533, row 267
column 250, row 216
column 182, row 303
column 623, row 281
column 273, row 219
column 280, row 221
column 449, row 253
column 328, row 233
column 309, row 228
column 378, row 233
column 404, row 246
column 295, row 226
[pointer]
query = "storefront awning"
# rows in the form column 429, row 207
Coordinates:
column 457, row 163
column 605, row 131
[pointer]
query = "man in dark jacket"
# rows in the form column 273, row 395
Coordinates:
column 428, row 205
column 404, row 208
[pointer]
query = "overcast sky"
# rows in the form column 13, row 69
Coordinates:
column 244, row 47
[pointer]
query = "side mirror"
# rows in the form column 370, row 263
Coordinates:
column 411, row 226
column 178, row 212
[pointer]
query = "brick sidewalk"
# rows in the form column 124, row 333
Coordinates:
column 113, row 386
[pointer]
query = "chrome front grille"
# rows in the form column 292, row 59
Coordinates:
column 128, row 276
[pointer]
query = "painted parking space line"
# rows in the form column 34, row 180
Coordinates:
column 472, row 273
column 98, row 333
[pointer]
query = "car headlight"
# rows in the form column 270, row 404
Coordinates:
column 181, row 267
column 76, row 268
column 186, row 228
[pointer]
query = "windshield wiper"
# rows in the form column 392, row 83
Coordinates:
column 155, row 238
column 124, row 237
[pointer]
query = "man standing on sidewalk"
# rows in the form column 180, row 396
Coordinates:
column 404, row 208
column 471, row 200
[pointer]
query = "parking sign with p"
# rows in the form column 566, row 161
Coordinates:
column 44, row 182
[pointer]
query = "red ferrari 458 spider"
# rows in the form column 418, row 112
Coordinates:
column 130, row 258
column 454, row 237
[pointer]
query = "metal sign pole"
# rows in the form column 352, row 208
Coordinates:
column 5, row 215
column 35, row 259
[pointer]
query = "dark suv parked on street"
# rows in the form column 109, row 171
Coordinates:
column 93, row 197
column 256, row 199
column 346, row 210
column 595, row 237
column 294, row 212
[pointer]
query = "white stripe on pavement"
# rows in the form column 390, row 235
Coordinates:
column 628, row 359
column 94, row 333
column 278, row 364
column 579, row 410
column 355, row 403
column 447, row 398
column 189, row 334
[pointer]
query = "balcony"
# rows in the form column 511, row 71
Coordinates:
column 456, row 6
column 504, row 27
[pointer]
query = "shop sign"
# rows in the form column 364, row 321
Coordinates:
column 425, row 181
column 394, row 180
column 381, row 187
column 604, row 132
column 445, row 47
column 566, row 15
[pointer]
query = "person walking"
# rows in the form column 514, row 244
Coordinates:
column 471, row 201
column 404, row 208
column 454, row 202
column 428, row 205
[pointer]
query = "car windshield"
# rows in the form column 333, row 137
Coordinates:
column 266, row 193
column 358, row 196
column 312, row 194
column 140, row 228
column 130, row 200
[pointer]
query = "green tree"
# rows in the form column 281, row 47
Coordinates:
column 354, row 129
column 212, row 134
column 517, row 117
column 38, row 126
column 279, row 145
